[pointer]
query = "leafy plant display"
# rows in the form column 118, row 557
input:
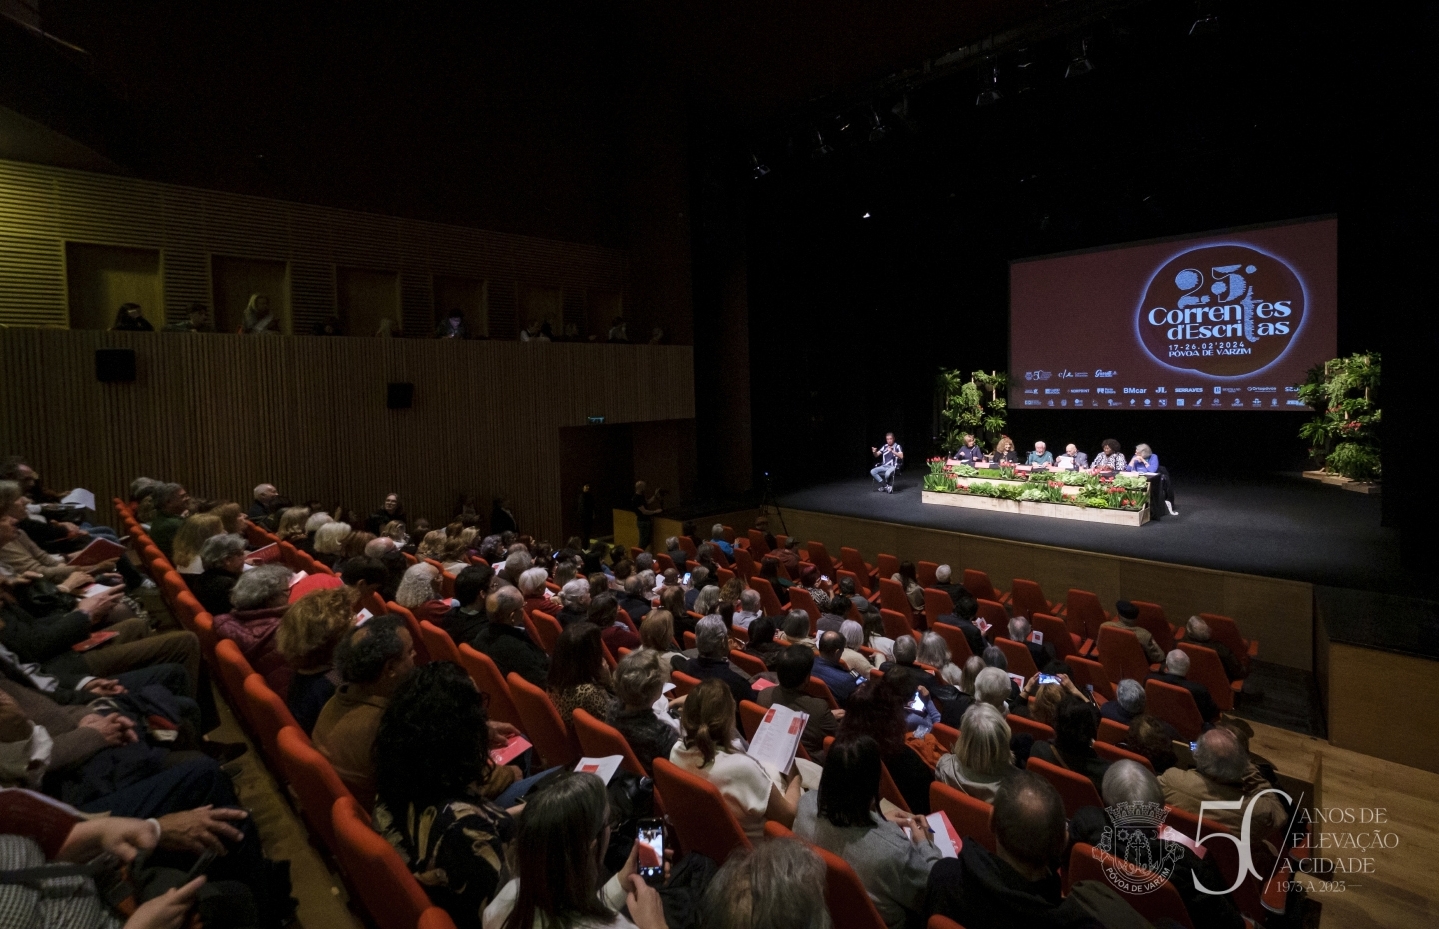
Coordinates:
column 1131, row 482
column 1345, row 435
column 974, row 407
column 1122, row 492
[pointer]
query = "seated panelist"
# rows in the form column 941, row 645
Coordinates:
column 970, row 453
column 1072, row 459
column 1041, row 457
column 1004, row 452
column 1111, row 458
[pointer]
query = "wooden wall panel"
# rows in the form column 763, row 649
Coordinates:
column 1361, row 703
column 42, row 208
column 222, row 413
column 1278, row 612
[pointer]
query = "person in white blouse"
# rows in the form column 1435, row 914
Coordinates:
column 562, row 839
column 753, row 790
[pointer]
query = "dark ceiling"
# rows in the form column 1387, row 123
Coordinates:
column 513, row 116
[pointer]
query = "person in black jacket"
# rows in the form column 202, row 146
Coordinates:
column 1075, row 727
column 131, row 318
column 466, row 621
column 1042, row 655
column 392, row 510
column 223, row 557
column 506, row 640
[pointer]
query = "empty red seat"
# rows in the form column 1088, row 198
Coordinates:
column 924, row 572
column 959, row 650
column 543, row 724
column 1019, row 724
column 1027, row 598
column 1206, row 668
column 1223, row 629
column 896, row 625
column 977, row 583
column 997, row 618
column 768, row 600
column 1122, row 655
column 1057, row 634
column 937, row 603
column 1084, row 614
column 1112, row 753
column 1016, row 654
column 1088, row 674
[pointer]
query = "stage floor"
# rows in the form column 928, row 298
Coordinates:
column 1274, row 525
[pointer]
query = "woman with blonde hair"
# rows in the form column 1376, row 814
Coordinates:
column 190, row 538
column 753, row 790
column 980, row 759
column 232, row 517
column 329, row 540
column 292, row 524
column 432, row 545
column 306, row 639
column 657, row 631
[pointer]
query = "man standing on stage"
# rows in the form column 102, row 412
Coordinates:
column 890, row 455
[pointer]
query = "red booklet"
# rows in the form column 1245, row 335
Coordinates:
column 96, row 639
column 264, row 555
column 512, row 750
column 96, row 552
column 48, row 822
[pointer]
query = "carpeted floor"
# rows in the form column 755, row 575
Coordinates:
column 1276, row 525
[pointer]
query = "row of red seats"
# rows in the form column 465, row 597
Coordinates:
column 377, row 878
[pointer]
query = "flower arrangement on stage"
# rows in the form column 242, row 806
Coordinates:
column 1345, row 436
column 1117, row 492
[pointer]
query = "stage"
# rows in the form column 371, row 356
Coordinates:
column 1272, row 525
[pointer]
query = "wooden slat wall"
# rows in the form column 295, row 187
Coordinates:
column 43, row 207
column 221, row 413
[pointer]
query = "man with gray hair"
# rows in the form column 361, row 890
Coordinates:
column 749, row 609
column 712, row 659
column 1222, row 771
column 633, row 600
column 830, row 668
column 1020, row 630
column 223, row 558
column 1128, row 702
column 993, row 686
column 1196, row 632
column 1131, row 782
column 267, row 504
column 506, row 640
column 943, row 577
column 676, row 554
column 575, row 602
column 516, row 563
column 717, row 539
column 1176, row 669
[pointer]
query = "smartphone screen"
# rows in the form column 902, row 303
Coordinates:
column 651, row 841
column 687, row 578
column 1048, row 679
column 917, row 703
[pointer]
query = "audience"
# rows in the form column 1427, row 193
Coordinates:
column 419, row 592
column 712, row 659
column 852, row 657
column 578, row 674
column 575, row 603
column 891, row 856
column 793, row 667
column 559, row 853
column 1176, row 667
column 778, row 885
column 981, row 758
column 434, row 813
column 308, row 634
column 1017, row 884
column 877, row 710
column 753, row 791
column 171, row 501
column 830, row 668
column 259, row 599
column 1196, row 632
column 373, row 660
column 466, row 620
column 506, row 640
column 223, row 557
column 1075, row 727
column 1127, row 618
column 329, row 541
column 190, row 538
column 762, row 642
column 1131, row 782
column 1222, row 771
column 641, row 713
column 657, row 632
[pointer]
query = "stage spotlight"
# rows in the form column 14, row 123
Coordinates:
column 988, row 84
column 1079, row 62
column 758, row 169
column 822, row 148
column 878, row 129
column 865, row 216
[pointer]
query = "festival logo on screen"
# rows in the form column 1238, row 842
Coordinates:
column 1221, row 310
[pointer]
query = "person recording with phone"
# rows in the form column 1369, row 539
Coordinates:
column 890, row 456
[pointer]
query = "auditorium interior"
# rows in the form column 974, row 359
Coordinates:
column 424, row 292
